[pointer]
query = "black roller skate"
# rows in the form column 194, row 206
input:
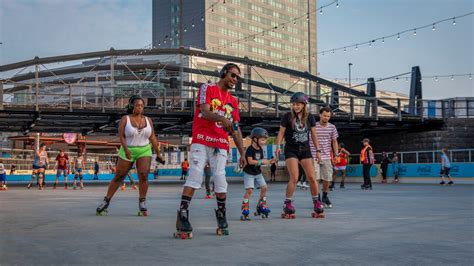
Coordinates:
column 221, row 222
column 245, row 211
column 326, row 202
column 288, row 210
column 102, row 209
column 141, row 205
column 55, row 185
column 262, row 208
column 318, row 211
column 450, row 183
column 184, row 230
column 331, row 187
column 442, row 183
column 341, row 185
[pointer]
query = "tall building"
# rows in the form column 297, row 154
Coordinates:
column 212, row 25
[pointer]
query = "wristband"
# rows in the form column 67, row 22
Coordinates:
column 318, row 150
column 259, row 162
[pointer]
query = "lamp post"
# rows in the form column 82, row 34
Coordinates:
column 350, row 64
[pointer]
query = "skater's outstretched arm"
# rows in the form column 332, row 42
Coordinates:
column 237, row 135
column 279, row 139
column 335, row 147
column 121, row 130
column 314, row 136
column 154, row 140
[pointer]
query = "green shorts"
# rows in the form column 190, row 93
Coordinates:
column 136, row 152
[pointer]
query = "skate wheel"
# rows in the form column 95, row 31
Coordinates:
column 293, row 216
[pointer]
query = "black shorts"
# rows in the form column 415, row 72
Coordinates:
column 184, row 172
column 298, row 152
column 444, row 171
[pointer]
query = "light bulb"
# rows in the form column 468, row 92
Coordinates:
column 398, row 37
column 433, row 28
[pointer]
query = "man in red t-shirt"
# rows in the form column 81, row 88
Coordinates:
column 62, row 162
column 216, row 116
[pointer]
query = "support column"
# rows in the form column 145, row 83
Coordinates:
column 416, row 103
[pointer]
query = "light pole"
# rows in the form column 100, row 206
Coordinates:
column 350, row 64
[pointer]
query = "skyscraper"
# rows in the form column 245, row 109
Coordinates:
column 241, row 28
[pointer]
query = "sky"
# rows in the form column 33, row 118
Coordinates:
column 30, row 28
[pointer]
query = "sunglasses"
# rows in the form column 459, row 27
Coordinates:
column 233, row 75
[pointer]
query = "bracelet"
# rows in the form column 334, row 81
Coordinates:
column 318, row 150
column 259, row 162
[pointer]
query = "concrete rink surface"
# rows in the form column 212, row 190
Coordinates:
column 390, row 225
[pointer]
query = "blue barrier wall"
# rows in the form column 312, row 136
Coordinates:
column 417, row 170
column 458, row 170
column 161, row 172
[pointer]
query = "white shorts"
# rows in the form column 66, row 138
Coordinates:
column 199, row 156
column 340, row 168
column 323, row 170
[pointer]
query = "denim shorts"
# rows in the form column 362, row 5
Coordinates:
column 251, row 180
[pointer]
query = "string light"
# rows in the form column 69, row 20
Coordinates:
column 414, row 32
column 452, row 77
column 321, row 11
column 470, row 76
column 434, row 28
column 454, row 21
column 383, row 40
column 398, row 36
column 337, row 4
column 436, row 78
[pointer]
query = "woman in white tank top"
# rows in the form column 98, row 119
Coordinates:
column 136, row 134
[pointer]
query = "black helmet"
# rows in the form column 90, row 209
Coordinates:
column 258, row 132
column 299, row 97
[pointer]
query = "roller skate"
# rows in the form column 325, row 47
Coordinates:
column 245, row 210
column 262, row 208
column 65, row 186
column 395, row 180
column 4, row 187
column 221, row 222
column 74, row 187
column 55, row 185
column 342, row 185
column 184, row 230
column 298, row 185
column 29, row 186
column 134, row 187
column 102, row 209
column 442, row 183
column 318, row 211
column 304, row 185
column 123, row 187
column 208, row 195
column 326, row 202
column 450, row 183
column 288, row 210
column 331, row 187
column 141, row 205
column 82, row 187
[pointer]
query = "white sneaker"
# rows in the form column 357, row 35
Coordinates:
column 298, row 184
column 305, row 185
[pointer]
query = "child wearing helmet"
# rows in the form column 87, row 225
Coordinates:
column 296, row 127
column 253, row 174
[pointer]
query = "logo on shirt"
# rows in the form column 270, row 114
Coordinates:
column 225, row 111
column 301, row 133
